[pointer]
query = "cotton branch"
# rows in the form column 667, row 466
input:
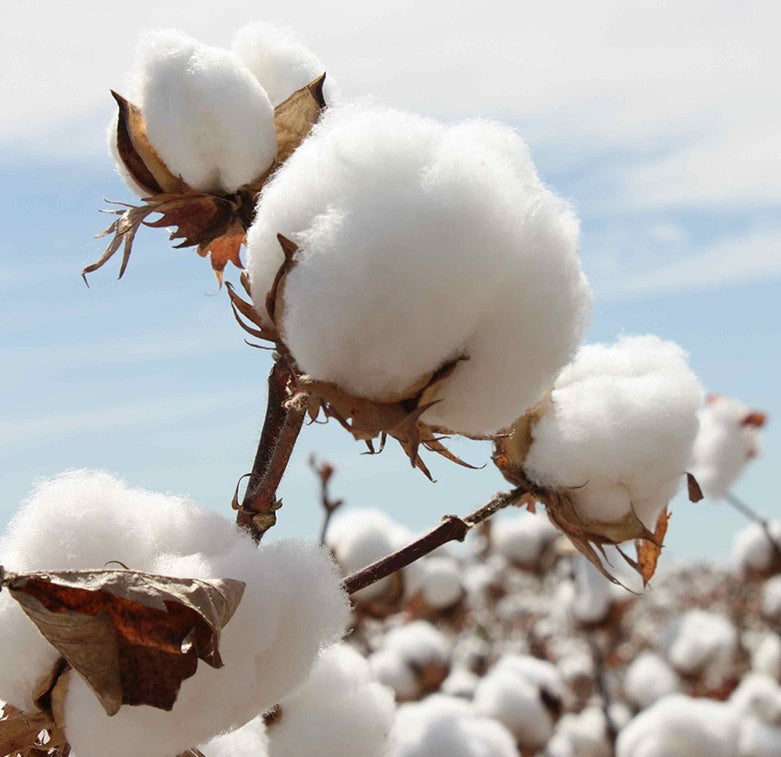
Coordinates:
column 281, row 427
column 452, row 528
column 324, row 471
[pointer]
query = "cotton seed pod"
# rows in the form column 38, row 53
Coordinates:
column 608, row 447
column 198, row 147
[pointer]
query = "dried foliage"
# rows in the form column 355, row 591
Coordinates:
column 216, row 225
column 133, row 637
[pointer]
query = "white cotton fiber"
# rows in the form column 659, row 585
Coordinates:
column 248, row 741
column 442, row 725
column 771, row 599
column 86, row 519
column 699, row 640
column 338, row 712
column 291, row 608
column 358, row 538
column 580, row 735
column 438, row 582
column 649, row 678
column 752, row 551
column 518, row 692
column 619, row 431
column 758, row 702
column 280, row 61
column 207, row 116
column 681, row 726
column 524, row 539
column 419, row 244
column 593, row 596
column 729, row 437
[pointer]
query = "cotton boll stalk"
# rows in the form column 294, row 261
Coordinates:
column 443, row 725
column 205, row 114
column 280, row 61
column 338, row 711
column 387, row 211
column 729, row 437
column 612, row 441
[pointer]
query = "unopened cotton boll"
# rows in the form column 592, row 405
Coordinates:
column 420, row 245
column 291, row 608
column 618, row 430
column 280, row 61
column 442, row 725
column 729, row 437
column 338, row 712
column 206, row 115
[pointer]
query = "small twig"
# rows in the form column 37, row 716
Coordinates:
column 751, row 514
column 281, row 427
column 596, row 658
column 324, row 471
column 452, row 528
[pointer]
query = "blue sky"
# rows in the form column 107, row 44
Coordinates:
column 661, row 124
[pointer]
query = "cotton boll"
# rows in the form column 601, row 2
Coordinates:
column 752, row 551
column 649, row 678
column 388, row 210
column 618, row 431
column 338, row 712
column 524, row 694
column 442, row 725
column 699, row 641
column 292, row 606
column 681, row 726
column 729, row 437
column 206, row 115
column 523, row 540
column 581, row 735
column 280, row 62
column 758, row 702
column 766, row 658
column 771, row 599
column 248, row 741
column 593, row 597
column 438, row 583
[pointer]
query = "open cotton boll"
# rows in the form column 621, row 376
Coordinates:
column 338, row 712
column 292, row 607
column 619, row 429
column 698, row 641
column 681, row 726
column 206, row 115
column 83, row 520
column 729, row 437
column 523, row 540
column 752, row 551
column 438, row 582
column 581, row 735
column 649, row 678
column 420, row 244
column 758, row 701
column 771, row 599
column 442, row 725
column 766, row 658
column 280, row 61
column 524, row 694
column 358, row 538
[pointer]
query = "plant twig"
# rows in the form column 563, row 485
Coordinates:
column 324, row 471
column 281, row 427
column 751, row 514
column 604, row 693
column 452, row 528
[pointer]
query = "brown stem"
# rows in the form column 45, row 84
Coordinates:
column 281, row 427
column 324, row 471
column 452, row 528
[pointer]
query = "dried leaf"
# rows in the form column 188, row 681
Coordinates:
column 19, row 730
column 694, row 490
column 295, row 117
column 648, row 551
column 134, row 637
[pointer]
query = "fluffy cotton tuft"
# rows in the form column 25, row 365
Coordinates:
column 581, row 735
column 206, row 115
column 649, row 678
column 280, row 61
column 523, row 540
column 292, row 606
column 248, row 741
column 699, row 640
column 437, row 582
column 443, row 725
column 420, row 244
column 619, row 430
column 729, row 437
column 338, row 711
column 752, row 551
